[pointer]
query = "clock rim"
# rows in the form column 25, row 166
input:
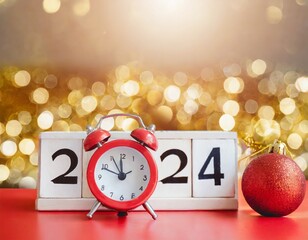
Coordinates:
column 122, row 205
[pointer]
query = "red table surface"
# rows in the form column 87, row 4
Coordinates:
column 20, row 220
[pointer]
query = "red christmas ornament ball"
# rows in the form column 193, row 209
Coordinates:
column 273, row 185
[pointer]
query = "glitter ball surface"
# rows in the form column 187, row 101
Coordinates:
column 273, row 185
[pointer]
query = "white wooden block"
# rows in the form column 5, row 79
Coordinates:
column 85, row 204
column 214, row 167
column 173, row 159
column 196, row 194
column 60, row 166
column 86, row 192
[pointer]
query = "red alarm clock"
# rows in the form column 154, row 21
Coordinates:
column 122, row 173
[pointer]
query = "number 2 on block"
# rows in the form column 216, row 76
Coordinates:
column 63, row 178
column 60, row 167
column 173, row 160
column 183, row 162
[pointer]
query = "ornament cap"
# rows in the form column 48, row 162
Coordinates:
column 278, row 147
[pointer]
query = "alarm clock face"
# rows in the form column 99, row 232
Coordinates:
column 122, row 174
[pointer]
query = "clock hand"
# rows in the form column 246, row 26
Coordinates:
column 121, row 165
column 128, row 172
column 110, row 171
column 115, row 164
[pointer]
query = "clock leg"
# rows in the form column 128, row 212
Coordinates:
column 94, row 209
column 150, row 210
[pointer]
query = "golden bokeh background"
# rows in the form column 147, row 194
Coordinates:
column 183, row 65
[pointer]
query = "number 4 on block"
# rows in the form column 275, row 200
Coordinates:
column 214, row 168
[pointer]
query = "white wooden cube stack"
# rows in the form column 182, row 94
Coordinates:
column 197, row 171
